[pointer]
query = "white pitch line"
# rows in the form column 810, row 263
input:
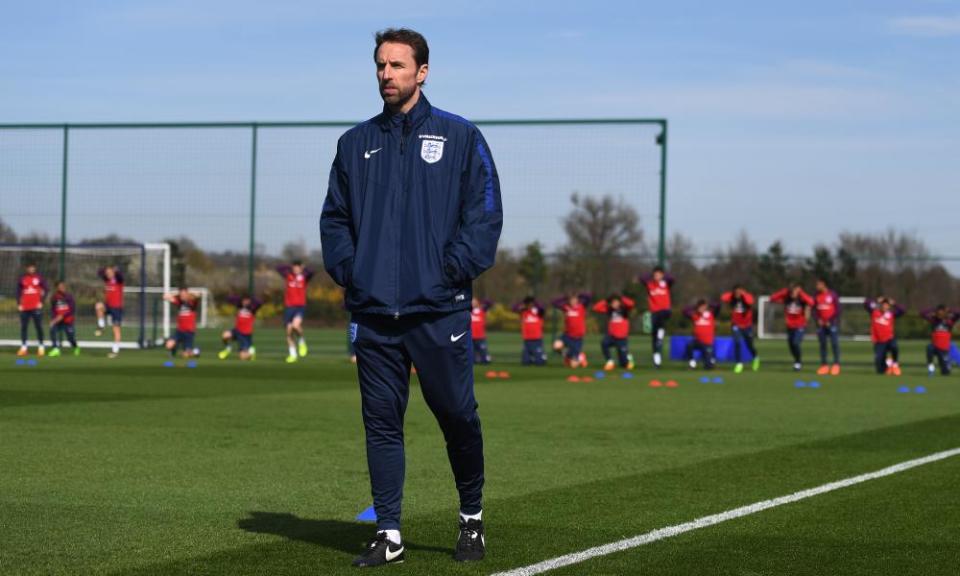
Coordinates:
column 670, row 531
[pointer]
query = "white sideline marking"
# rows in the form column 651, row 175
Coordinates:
column 670, row 531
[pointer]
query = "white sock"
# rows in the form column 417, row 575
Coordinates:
column 101, row 323
column 293, row 351
column 40, row 347
column 392, row 535
column 116, row 349
column 477, row 516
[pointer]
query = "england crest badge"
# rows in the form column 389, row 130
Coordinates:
column 431, row 150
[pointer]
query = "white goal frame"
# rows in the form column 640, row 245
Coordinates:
column 163, row 248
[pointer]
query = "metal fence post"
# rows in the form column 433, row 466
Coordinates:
column 662, row 141
column 63, row 202
column 253, row 210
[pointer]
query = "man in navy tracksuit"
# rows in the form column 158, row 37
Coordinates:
column 412, row 216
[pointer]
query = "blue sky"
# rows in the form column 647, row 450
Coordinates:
column 793, row 121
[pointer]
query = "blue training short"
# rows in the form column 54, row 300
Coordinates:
column 291, row 312
column 115, row 315
column 244, row 341
column 183, row 340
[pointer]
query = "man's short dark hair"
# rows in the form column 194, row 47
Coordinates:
column 412, row 38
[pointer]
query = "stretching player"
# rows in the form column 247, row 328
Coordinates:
column 942, row 320
column 704, row 318
column 478, row 330
column 796, row 310
column 63, row 309
column 31, row 290
column 883, row 316
column 741, row 323
column 183, row 338
column 112, row 305
column 296, row 278
column 828, row 323
column 242, row 332
column 658, row 285
column 617, row 309
column 531, row 329
column 574, row 308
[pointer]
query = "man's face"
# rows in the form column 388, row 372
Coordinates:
column 108, row 272
column 615, row 303
column 398, row 75
column 573, row 300
column 821, row 286
column 658, row 275
column 885, row 306
column 475, row 303
column 297, row 269
column 795, row 291
column 62, row 287
column 184, row 295
column 31, row 269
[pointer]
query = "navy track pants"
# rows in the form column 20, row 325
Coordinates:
column 441, row 348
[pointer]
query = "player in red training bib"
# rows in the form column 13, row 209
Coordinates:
column 883, row 317
column 942, row 321
column 574, row 310
column 741, row 324
column 796, row 310
column 617, row 310
column 63, row 309
column 112, row 305
column 704, row 319
column 183, row 339
column 827, row 315
column 658, row 285
column 242, row 332
column 295, row 277
column 531, row 330
column 31, row 291
column 478, row 330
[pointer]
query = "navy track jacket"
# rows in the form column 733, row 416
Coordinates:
column 412, row 213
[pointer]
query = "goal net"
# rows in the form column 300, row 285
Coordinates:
column 146, row 274
column 854, row 321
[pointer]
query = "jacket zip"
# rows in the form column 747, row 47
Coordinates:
column 403, row 172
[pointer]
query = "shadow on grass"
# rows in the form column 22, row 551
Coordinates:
column 349, row 537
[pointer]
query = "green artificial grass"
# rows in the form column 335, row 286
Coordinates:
column 124, row 466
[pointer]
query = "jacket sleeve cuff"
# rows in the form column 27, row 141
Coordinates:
column 343, row 273
column 451, row 271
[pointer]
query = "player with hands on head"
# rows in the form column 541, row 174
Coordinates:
column 63, row 310
column 827, row 316
column 183, row 339
column 242, row 331
column 883, row 313
column 574, row 310
column 796, row 310
column 942, row 320
column 741, row 304
column 531, row 330
column 703, row 315
column 296, row 277
column 617, row 310
column 658, row 285
column 111, row 306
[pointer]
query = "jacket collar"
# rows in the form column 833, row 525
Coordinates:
column 420, row 112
